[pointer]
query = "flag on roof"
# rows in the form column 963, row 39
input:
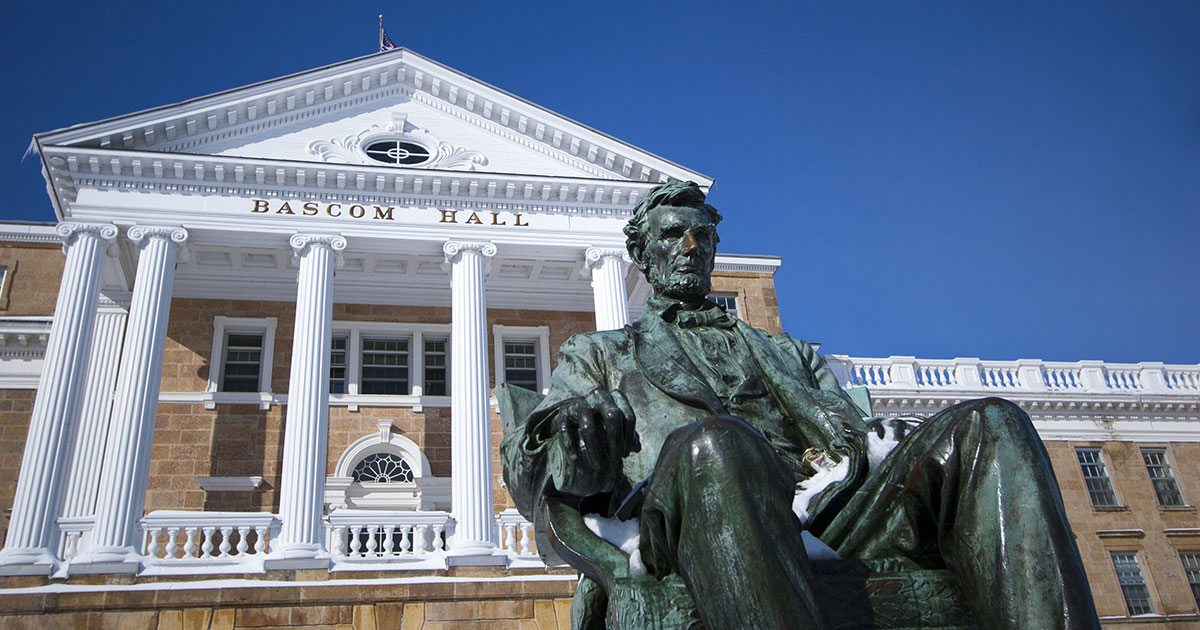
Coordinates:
column 385, row 42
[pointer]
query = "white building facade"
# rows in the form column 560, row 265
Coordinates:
column 283, row 308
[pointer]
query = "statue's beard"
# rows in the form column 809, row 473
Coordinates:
column 685, row 287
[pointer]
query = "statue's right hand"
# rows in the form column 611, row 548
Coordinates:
column 598, row 430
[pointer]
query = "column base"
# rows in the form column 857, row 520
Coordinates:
column 297, row 556
column 105, row 560
column 27, row 562
column 476, row 556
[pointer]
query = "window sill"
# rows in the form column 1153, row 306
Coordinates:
column 1110, row 508
column 1177, row 508
column 265, row 400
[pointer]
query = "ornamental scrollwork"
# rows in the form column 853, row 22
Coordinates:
column 352, row 148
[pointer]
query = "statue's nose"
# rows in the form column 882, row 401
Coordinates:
column 689, row 243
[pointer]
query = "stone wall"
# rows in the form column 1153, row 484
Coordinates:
column 1139, row 524
column 34, row 272
column 756, row 298
column 15, row 407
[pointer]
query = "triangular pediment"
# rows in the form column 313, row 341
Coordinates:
column 394, row 109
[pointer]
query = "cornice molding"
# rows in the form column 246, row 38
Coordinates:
column 287, row 100
column 73, row 170
column 29, row 233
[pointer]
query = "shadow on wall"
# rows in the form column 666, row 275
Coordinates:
column 246, row 442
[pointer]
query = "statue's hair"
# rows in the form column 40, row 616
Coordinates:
column 675, row 192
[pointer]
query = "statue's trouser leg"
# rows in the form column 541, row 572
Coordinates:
column 973, row 487
column 718, row 513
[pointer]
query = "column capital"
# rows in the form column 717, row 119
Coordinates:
column 453, row 250
column 69, row 232
column 302, row 244
column 140, row 236
column 593, row 255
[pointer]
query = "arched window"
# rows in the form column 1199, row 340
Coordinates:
column 383, row 468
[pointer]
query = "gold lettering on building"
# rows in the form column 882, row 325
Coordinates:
column 357, row 211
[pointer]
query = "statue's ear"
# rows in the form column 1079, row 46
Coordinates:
column 636, row 254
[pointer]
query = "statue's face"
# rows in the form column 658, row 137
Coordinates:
column 679, row 244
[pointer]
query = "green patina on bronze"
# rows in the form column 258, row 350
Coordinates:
column 701, row 426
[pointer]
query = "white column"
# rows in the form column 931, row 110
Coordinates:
column 608, row 286
column 302, row 480
column 95, row 411
column 116, row 537
column 31, row 543
column 470, row 413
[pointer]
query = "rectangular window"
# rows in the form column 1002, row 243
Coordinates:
column 337, row 364
column 1133, row 585
column 243, row 362
column 384, row 366
column 727, row 300
column 520, row 363
column 1161, row 476
column 435, row 367
column 1191, row 567
column 1099, row 486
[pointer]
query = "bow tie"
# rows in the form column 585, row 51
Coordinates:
column 711, row 316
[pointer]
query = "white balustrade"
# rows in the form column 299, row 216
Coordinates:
column 516, row 534
column 179, row 537
column 1183, row 379
column 1014, row 377
column 387, row 536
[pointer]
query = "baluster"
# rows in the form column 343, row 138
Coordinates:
column 526, row 539
column 172, row 542
column 207, row 546
column 509, row 541
column 405, row 540
column 419, row 542
column 226, row 531
column 152, row 534
column 260, row 539
column 438, row 543
column 72, row 545
column 372, row 530
column 242, row 545
column 389, row 540
column 338, row 540
column 355, row 543
column 189, row 547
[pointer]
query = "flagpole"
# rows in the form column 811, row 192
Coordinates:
column 380, row 31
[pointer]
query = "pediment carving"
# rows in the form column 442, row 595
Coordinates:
column 352, row 149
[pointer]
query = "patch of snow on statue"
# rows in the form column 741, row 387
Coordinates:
column 624, row 534
column 894, row 431
column 811, row 487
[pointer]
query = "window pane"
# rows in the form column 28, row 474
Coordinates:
column 1191, row 567
column 243, row 362
column 727, row 300
column 337, row 365
column 1096, row 477
column 435, row 367
column 384, row 366
column 1133, row 585
column 520, row 364
column 1161, row 476
column 382, row 468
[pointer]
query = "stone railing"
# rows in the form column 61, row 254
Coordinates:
column 516, row 534
column 207, row 538
column 1021, row 376
column 387, row 536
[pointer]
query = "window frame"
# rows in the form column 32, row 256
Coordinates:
column 539, row 334
column 1103, row 463
column 1191, row 574
column 222, row 326
column 356, row 331
column 1166, row 458
column 1144, row 584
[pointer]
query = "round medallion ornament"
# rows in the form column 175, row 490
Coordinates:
column 397, row 152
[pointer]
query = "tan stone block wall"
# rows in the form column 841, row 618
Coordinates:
column 15, row 408
column 756, row 298
column 241, row 440
column 34, row 272
column 1158, row 553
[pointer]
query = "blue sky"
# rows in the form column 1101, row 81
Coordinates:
column 999, row 180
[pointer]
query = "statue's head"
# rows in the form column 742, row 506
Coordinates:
column 672, row 238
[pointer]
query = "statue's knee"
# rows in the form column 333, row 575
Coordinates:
column 721, row 437
column 1000, row 417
